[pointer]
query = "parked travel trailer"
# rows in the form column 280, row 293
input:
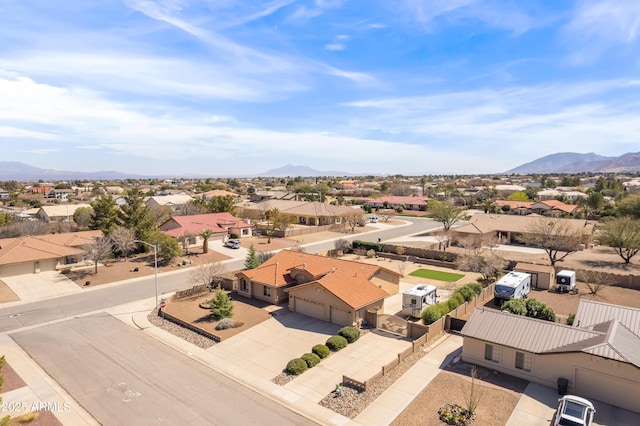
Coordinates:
column 514, row 285
column 565, row 281
column 417, row 298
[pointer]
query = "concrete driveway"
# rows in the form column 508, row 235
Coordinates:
column 538, row 404
column 265, row 349
column 359, row 360
column 42, row 286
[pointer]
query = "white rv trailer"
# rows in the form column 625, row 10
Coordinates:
column 514, row 285
column 417, row 298
column 565, row 281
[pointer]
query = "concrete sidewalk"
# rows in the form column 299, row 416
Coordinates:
column 399, row 395
column 381, row 412
column 41, row 390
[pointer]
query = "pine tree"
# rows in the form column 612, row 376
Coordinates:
column 252, row 261
column 221, row 306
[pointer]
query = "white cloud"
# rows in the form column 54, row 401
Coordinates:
column 597, row 25
column 334, row 46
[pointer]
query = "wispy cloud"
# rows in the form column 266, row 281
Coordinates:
column 334, row 46
column 596, row 25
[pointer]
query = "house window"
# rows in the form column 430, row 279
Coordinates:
column 266, row 291
column 523, row 361
column 492, row 353
column 245, row 285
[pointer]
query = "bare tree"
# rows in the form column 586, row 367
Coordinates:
column 480, row 256
column 24, row 227
column 123, row 240
column 442, row 236
column 402, row 265
column 386, row 215
column 98, row 250
column 209, row 274
column 558, row 237
column 353, row 220
column 342, row 244
column 595, row 280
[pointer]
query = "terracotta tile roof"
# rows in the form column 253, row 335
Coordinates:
column 396, row 199
column 515, row 204
column 195, row 224
column 41, row 247
column 347, row 280
column 354, row 288
column 304, row 208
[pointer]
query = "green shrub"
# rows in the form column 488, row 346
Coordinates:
column 366, row 245
column 87, row 283
column 570, row 319
column 455, row 300
column 467, row 293
column 432, row 313
column 321, row 350
column 311, row 359
column 335, row 343
column 477, row 288
column 350, row 333
column 515, row 306
column 226, row 323
column 296, row 366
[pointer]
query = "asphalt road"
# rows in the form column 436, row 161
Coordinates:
column 21, row 316
column 124, row 377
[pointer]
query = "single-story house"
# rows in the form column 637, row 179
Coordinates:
column 34, row 254
column 552, row 208
column 329, row 289
column 173, row 201
column 391, row 202
column 599, row 356
column 187, row 229
column 59, row 213
column 303, row 212
column 510, row 229
column 61, row 194
column 542, row 276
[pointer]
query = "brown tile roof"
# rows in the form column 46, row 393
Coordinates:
column 304, row 208
column 195, row 224
column 353, row 289
column 41, row 247
column 486, row 223
column 347, row 280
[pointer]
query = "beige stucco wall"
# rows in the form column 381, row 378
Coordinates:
column 617, row 382
column 319, row 294
column 387, row 281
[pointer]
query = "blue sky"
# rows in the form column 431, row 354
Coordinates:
column 225, row 87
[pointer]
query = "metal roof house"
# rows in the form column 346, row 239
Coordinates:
column 599, row 355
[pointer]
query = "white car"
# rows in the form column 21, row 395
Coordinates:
column 574, row 411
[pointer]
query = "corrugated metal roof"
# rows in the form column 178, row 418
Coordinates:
column 610, row 339
column 519, row 332
column 591, row 313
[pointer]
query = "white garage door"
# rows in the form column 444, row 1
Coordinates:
column 16, row 269
column 606, row 388
column 340, row 317
column 309, row 308
column 48, row 265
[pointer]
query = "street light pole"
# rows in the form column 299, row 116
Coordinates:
column 155, row 260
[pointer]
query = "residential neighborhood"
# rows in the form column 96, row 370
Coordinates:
column 306, row 261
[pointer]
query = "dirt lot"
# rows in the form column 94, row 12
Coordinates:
column 499, row 395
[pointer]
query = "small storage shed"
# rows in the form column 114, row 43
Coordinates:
column 542, row 276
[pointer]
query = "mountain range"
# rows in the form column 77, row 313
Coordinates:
column 563, row 162
column 571, row 162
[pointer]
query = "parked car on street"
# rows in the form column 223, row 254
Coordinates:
column 574, row 411
column 234, row 244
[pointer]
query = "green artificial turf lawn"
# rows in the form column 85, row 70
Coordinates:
column 436, row 275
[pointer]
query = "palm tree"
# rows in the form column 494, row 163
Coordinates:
column 206, row 234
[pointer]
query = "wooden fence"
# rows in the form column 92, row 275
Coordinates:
column 422, row 334
column 193, row 291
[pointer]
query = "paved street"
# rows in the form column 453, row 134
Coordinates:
column 122, row 376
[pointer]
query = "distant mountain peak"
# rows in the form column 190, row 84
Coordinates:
column 572, row 162
column 305, row 171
